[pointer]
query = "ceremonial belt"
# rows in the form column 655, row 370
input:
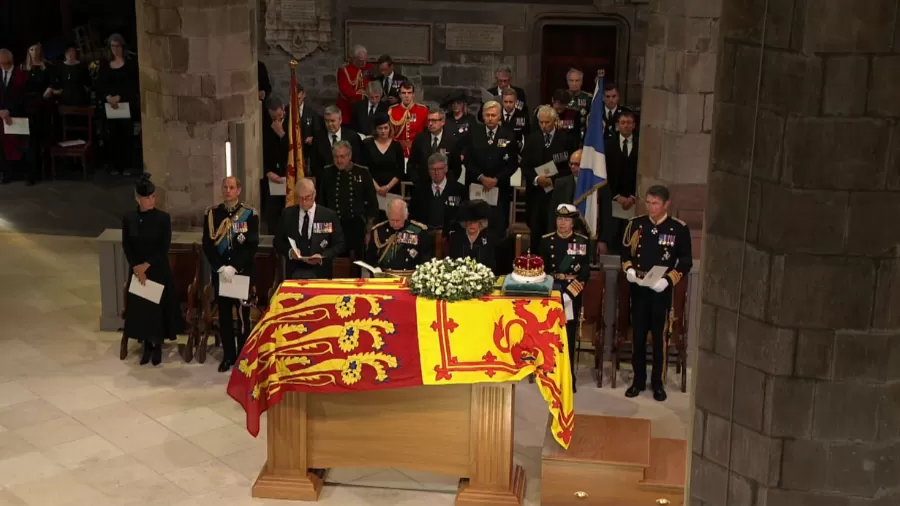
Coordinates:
column 565, row 276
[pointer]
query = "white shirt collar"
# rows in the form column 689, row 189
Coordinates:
column 391, row 77
column 312, row 218
column 439, row 136
column 491, row 130
column 622, row 138
column 332, row 136
column 441, row 186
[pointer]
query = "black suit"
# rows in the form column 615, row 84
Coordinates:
column 519, row 122
column 322, row 155
column 275, row 159
column 394, row 90
column 536, row 153
column 327, row 239
column 439, row 213
column 611, row 119
column 497, row 158
column 417, row 166
column 521, row 101
column 622, row 171
column 362, row 122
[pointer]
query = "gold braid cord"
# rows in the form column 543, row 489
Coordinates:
column 218, row 235
column 401, row 123
column 384, row 246
column 356, row 83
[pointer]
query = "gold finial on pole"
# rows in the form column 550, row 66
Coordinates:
column 601, row 73
column 293, row 64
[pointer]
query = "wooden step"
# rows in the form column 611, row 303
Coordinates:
column 605, row 440
column 668, row 461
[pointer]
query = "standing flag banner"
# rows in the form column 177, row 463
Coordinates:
column 592, row 175
column 295, row 168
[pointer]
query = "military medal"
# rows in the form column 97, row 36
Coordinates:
column 413, row 253
column 490, row 142
column 324, row 243
column 654, row 231
column 666, row 255
column 241, row 238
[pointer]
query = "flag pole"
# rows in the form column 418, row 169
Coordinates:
column 293, row 139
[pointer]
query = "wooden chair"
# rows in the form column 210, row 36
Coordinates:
column 77, row 125
column 439, row 249
column 184, row 261
column 592, row 326
column 675, row 341
column 266, row 278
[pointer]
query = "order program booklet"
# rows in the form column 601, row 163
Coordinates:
column 376, row 271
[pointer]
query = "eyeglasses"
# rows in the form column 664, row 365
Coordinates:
column 434, row 120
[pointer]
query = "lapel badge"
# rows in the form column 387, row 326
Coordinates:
column 413, row 253
column 490, row 142
column 241, row 238
column 484, row 240
column 324, row 243
column 654, row 231
column 506, row 156
column 666, row 255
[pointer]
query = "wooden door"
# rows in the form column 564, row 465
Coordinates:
column 587, row 48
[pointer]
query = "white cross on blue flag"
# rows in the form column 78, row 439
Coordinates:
column 592, row 175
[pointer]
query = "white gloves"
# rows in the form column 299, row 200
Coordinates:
column 631, row 276
column 660, row 285
column 227, row 271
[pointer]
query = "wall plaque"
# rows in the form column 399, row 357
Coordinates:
column 299, row 26
column 405, row 42
column 470, row 37
column 298, row 11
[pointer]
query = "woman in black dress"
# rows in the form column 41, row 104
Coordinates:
column 384, row 158
column 73, row 80
column 41, row 77
column 117, row 84
column 474, row 241
column 146, row 235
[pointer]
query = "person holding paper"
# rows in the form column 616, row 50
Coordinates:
column 41, row 108
column 118, row 88
column 566, row 254
column 13, row 94
column 491, row 158
column 435, row 202
column 348, row 189
column 310, row 235
column 430, row 142
column 652, row 240
column 146, row 236
column 473, row 241
column 230, row 241
column 275, row 145
column 621, row 165
column 568, row 119
column 399, row 244
column 384, row 158
column 390, row 79
column 546, row 158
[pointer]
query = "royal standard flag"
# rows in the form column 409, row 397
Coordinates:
column 295, row 169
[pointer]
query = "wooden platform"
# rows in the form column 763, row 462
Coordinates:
column 613, row 462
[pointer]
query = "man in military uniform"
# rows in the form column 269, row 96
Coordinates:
column 408, row 119
column 654, row 239
column 566, row 255
column 399, row 244
column 513, row 118
column 347, row 188
column 230, row 240
column 579, row 100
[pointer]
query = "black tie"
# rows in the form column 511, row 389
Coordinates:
column 625, row 147
column 547, row 140
column 333, row 139
column 371, row 110
column 434, row 144
column 304, row 230
column 491, row 135
column 508, row 118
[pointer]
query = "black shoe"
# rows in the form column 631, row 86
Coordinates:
column 157, row 354
column 225, row 366
column 634, row 391
column 146, row 353
column 574, row 388
column 659, row 394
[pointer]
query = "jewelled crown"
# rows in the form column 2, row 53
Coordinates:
column 529, row 265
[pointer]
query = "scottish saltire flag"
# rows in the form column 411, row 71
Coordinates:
column 593, row 164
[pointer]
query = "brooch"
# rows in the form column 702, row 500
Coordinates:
column 241, row 238
column 324, row 243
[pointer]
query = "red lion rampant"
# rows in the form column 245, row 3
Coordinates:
column 538, row 337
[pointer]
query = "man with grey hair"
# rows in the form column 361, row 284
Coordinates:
column 434, row 140
column 364, row 111
column 348, row 188
column 491, row 156
column 13, row 90
column 436, row 200
column 352, row 80
column 334, row 132
column 548, row 144
column 504, row 81
column 399, row 244
column 580, row 100
column 315, row 230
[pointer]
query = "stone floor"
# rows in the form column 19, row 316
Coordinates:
column 78, row 426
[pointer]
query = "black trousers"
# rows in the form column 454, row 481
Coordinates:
column 355, row 237
column 649, row 311
column 538, row 200
column 120, row 144
column 233, row 343
column 272, row 211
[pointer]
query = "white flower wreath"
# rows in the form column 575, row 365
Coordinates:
column 452, row 279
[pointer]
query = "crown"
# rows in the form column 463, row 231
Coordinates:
column 529, row 265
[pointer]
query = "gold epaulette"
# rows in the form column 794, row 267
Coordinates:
column 329, row 165
column 419, row 224
column 588, row 94
column 638, row 216
column 378, row 224
column 209, row 208
column 548, row 235
column 679, row 221
column 250, row 208
column 583, row 236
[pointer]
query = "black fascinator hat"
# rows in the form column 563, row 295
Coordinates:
column 380, row 118
column 144, row 187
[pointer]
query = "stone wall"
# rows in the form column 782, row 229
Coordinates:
column 198, row 75
column 798, row 374
column 451, row 70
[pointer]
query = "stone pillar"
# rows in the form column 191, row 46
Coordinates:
column 676, row 110
column 198, row 83
column 798, row 374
